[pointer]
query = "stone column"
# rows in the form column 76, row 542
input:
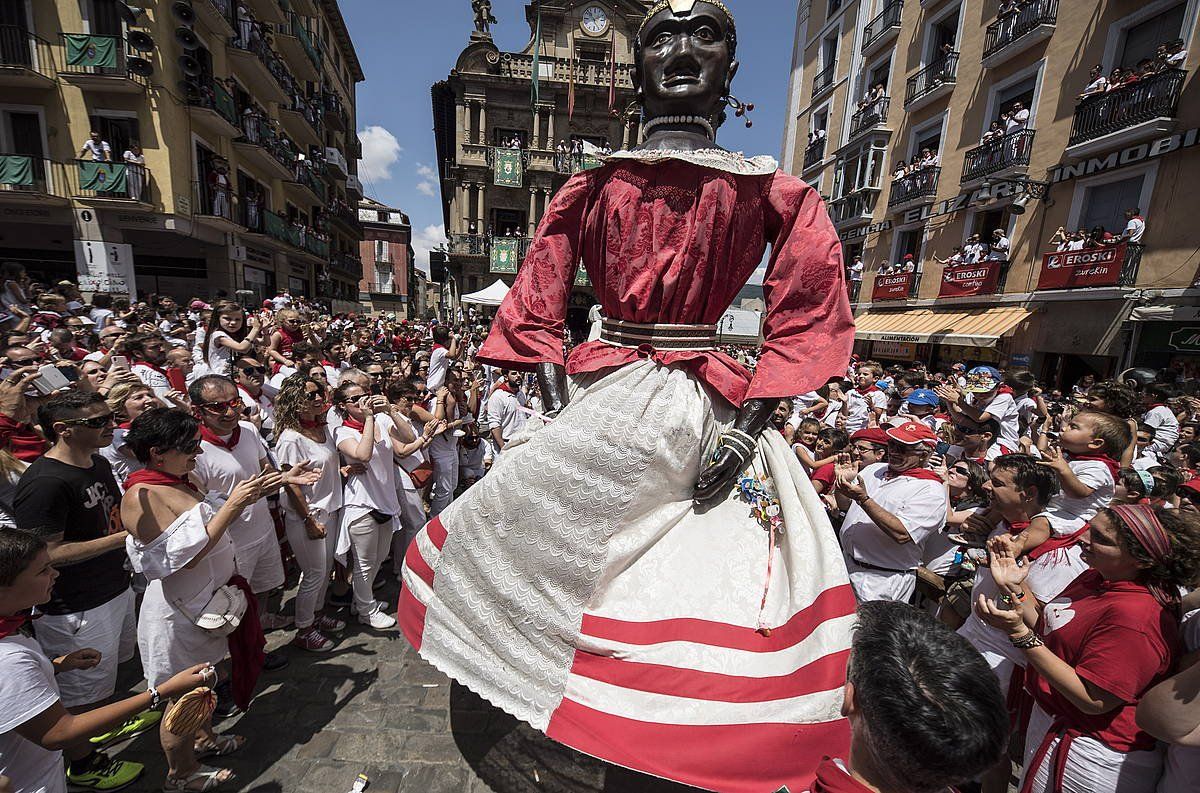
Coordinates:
column 483, row 122
column 483, row 220
column 461, row 118
column 532, row 219
column 462, row 212
column 550, row 131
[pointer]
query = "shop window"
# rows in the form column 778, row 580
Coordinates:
column 1105, row 204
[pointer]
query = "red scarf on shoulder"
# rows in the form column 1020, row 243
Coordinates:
column 915, row 473
column 10, row 625
column 149, row 476
column 1113, row 466
column 354, row 424
column 208, row 435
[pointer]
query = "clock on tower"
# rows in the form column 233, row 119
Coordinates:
column 594, row 21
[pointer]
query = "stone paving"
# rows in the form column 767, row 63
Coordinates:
column 371, row 705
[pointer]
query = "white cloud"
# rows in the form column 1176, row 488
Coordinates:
column 425, row 240
column 380, row 151
column 428, row 184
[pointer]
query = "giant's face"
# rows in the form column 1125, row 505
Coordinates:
column 686, row 65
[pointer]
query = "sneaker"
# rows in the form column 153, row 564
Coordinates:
column 311, row 639
column 275, row 660
column 329, row 624
column 146, row 720
column 380, row 605
column 104, row 773
column 274, row 622
column 378, row 620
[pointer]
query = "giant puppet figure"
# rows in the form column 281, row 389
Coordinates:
column 650, row 577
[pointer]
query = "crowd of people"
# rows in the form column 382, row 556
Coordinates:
column 167, row 467
column 1168, row 55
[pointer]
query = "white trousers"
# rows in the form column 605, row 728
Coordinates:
column 369, row 543
column 880, row 585
column 315, row 558
column 110, row 628
column 445, row 480
column 1091, row 766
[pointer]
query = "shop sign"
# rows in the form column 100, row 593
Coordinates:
column 999, row 190
column 863, row 231
column 1068, row 269
column 970, row 279
column 893, row 350
column 1186, row 339
column 1127, row 156
column 892, row 287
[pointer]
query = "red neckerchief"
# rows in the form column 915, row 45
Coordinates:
column 914, row 473
column 124, row 425
column 150, row 476
column 1004, row 389
column 1156, row 405
column 10, row 625
column 312, row 425
column 328, row 363
column 1113, row 466
column 149, row 365
column 1055, row 543
column 866, row 390
column 208, row 435
column 504, row 386
column 257, row 399
column 440, row 347
column 1017, row 526
column 354, row 424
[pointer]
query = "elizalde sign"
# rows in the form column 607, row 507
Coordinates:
column 892, row 287
column 970, row 279
column 1069, row 269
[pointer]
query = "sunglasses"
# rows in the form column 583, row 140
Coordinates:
column 249, row 370
column 960, row 471
column 191, row 447
column 314, row 396
column 217, row 408
column 96, row 422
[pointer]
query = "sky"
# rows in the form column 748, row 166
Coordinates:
column 405, row 46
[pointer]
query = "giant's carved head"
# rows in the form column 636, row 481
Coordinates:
column 685, row 58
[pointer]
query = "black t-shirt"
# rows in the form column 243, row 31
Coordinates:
column 81, row 504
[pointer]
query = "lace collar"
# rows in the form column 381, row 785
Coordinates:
column 733, row 162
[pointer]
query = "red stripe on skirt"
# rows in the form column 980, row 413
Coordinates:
column 830, row 604
column 411, row 615
column 735, row 758
column 414, row 561
column 824, row 674
column 437, row 532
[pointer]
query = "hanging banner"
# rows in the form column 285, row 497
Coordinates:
column 506, row 168
column 16, row 170
column 581, row 277
column 506, row 252
column 892, row 287
column 1069, row 269
column 970, row 279
column 85, row 50
column 102, row 177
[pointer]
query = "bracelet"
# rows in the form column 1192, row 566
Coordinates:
column 746, row 437
column 155, row 698
column 738, row 451
column 1027, row 641
column 738, row 445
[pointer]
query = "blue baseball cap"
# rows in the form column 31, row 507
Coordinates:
column 923, row 396
column 982, row 379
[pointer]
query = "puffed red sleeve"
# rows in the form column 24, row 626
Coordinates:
column 809, row 330
column 528, row 327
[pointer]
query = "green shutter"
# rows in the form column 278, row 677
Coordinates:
column 506, row 253
column 86, row 50
column 224, row 103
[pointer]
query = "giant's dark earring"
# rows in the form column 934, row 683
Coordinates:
column 741, row 109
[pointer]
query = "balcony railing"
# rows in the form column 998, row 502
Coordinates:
column 307, row 175
column 932, row 77
column 99, row 56
column 347, row 263
column 269, row 58
column 210, row 201
column 871, row 115
column 20, row 48
column 1009, row 151
column 470, row 244
column 380, row 287
column 299, row 31
column 814, row 153
column 335, row 112
column 824, row 78
column 343, row 213
column 887, row 19
column 917, row 185
column 1100, row 266
column 1151, row 97
column 33, row 176
column 121, row 180
column 566, row 70
column 1008, row 29
column 309, row 108
column 855, row 206
column 213, row 96
column 256, row 130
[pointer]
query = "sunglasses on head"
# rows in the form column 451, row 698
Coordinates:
column 249, row 370
column 218, row 408
column 95, row 422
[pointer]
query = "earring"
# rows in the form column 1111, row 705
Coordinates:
column 741, row 109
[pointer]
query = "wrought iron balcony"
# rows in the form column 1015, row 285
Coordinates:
column 1010, row 151
column 824, row 78
column 100, row 62
column 941, row 74
column 887, row 21
column 814, row 153
column 26, row 60
column 870, row 116
column 916, row 186
column 112, row 180
column 1156, row 96
column 27, row 178
column 1013, row 27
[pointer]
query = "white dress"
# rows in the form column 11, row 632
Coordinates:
column 168, row 639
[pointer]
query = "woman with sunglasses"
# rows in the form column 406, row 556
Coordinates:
column 127, row 400
column 368, row 436
column 311, row 514
column 1095, row 650
column 179, row 541
column 227, row 335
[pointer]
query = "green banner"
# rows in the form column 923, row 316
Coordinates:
column 581, row 277
column 102, row 177
column 87, row 50
column 16, row 169
column 506, row 168
column 279, row 228
column 224, row 103
column 590, row 161
column 506, row 254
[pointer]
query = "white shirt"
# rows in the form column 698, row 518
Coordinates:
column 376, row 488
column 920, row 504
column 1166, row 429
column 99, row 316
column 281, row 301
column 157, row 381
column 974, row 251
column 326, row 493
column 1003, row 408
column 504, row 412
column 439, row 364
column 1134, row 229
column 1068, row 514
column 27, row 688
column 262, row 406
column 219, row 470
column 859, row 405
column 97, row 150
column 856, row 271
column 998, row 251
column 1017, row 121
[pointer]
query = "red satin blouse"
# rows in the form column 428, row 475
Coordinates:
column 674, row 242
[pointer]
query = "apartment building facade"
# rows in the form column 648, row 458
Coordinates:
column 890, row 103
column 498, row 138
column 389, row 264
column 244, row 114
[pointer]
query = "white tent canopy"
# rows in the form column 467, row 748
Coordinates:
column 491, row 296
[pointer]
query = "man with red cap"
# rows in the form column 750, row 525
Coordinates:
column 868, row 446
column 892, row 507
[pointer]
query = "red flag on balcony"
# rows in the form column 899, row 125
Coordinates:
column 970, row 279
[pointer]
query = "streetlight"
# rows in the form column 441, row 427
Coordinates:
column 1032, row 190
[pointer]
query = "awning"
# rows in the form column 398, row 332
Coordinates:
column 491, row 296
column 1165, row 314
column 981, row 327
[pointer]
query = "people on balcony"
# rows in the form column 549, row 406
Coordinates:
column 872, row 104
column 135, row 177
column 1135, row 226
column 218, row 188
column 998, row 247
column 1064, row 240
column 975, row 250
column 96, row 149
column 1172, row 54
column 1097, row 83
column 955, row 258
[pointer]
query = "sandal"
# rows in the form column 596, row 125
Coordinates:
column 202, row 779
column 222, row 746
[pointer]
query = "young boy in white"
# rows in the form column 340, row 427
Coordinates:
column 983, row 398
column 1160, row 416
column 865, row 398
